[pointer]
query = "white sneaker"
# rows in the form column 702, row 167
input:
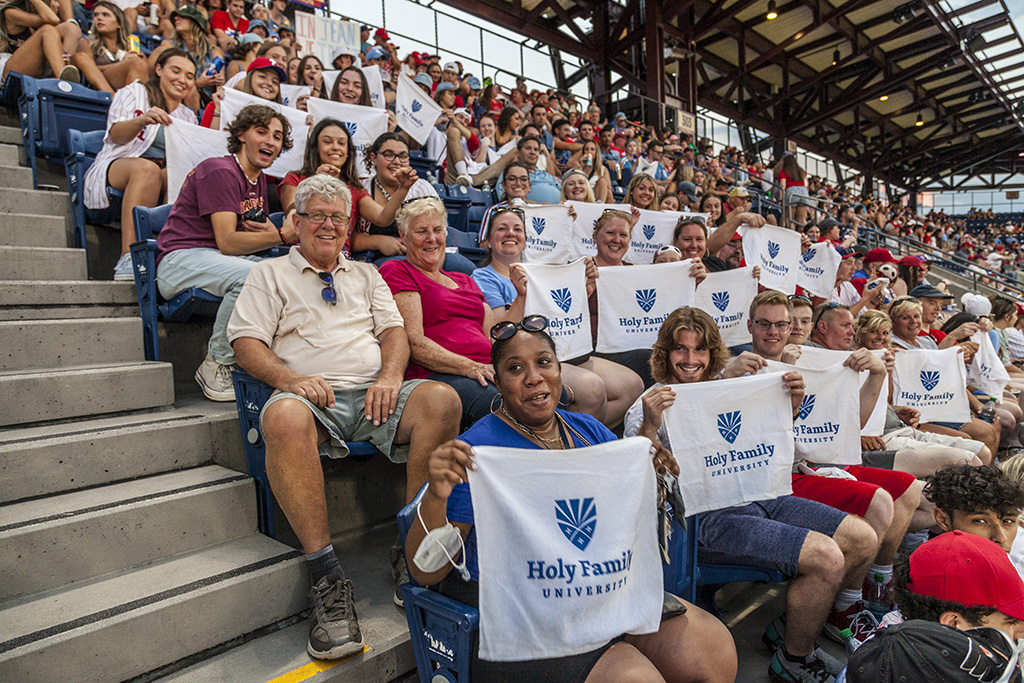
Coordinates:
column 70, row 73
column 123, row 271
column 215, row 380
column 464, row 179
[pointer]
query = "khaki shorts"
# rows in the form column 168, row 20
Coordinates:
column 346, row 421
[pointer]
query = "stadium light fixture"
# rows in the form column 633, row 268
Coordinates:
column 835, row 57
column 772, row 13
column 920, row 120
column 883, row 98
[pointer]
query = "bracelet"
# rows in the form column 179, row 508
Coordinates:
column 281, row 235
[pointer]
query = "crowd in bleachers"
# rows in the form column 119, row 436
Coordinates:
column 400, row 316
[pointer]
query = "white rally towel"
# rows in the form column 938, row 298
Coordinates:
column 726, row 297
column 416, row 112
column 290, row 94
column 376, row 84
column 827, row 425
column 364, row 124
column 329, row 76
column 777, row 251
column 818, row 266
column 559, row 292
column 933, row 382
column 819, row 359
column 290, row 160
column 987, row 372
column 548, row 233
column 650, row 232
column 633, row 302
column 568, row 548
column 733, row 440
column 187, row 145
column 587, row 214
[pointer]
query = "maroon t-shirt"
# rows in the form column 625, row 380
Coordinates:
column 214, row 185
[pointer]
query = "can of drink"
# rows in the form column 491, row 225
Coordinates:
column 216, row 65
column 133, row 43
column 154, row 16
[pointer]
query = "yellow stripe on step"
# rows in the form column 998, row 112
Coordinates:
column 313, row 668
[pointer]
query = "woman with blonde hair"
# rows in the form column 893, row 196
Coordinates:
column 576, row 186
column 104, row 58
column 190, row 35
column 642, row 192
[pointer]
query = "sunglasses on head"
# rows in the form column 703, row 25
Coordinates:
column 507, row 329
column 821, row 310
column 802, row 298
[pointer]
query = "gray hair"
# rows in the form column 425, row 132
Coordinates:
column 420, row 206
column 325, row 187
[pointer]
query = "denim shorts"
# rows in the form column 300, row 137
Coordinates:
column 346, row 421
column 769, row 533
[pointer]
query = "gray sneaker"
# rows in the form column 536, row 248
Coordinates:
column 399, row 572
column 333, row 625
column 215, row 380
column 781, row 670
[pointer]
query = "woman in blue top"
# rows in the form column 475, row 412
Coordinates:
column 602, row 388
column 691, row 645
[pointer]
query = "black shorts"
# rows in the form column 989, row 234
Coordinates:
column 573, row 669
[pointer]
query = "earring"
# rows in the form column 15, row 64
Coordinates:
column 572, row 396
column 497, row 397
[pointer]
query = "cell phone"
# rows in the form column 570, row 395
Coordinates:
column 256, row 215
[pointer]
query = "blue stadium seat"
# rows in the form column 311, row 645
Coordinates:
column 82, row 151
column 423, row 165
column 466, row 244
column 458, row 212
column 49, row 109
column 441, row 629
column 250, row 396
column 441, row 190
column 681, row 571
column 149, row 42
column 192, row 301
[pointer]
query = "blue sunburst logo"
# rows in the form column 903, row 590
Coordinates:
column 648, row 231
column 729, row 425
column 351, row 128
column 645, row 298
column 577, row 519
column 930, row 379
column 773, row 249
column 806, row 406
column 416, row 106
column 720, row 300
column 808, row 255
column 538, row 224
column 562, row 298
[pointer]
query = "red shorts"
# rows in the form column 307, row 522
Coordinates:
column 852, row 497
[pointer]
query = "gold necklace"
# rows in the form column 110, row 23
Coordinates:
column 526, row 430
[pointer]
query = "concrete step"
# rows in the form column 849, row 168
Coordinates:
column 11, row 135
column 15, row 177
column 44, row 460
column 281, row 655
column 41, row 202
column 62, row 343
column 55, row 394
column 10, row 155
column 80, row 535
column 26, row 230
column 122, row 625
column 41, row 263
column 59, row 299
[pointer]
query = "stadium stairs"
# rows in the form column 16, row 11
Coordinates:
column 129, row 547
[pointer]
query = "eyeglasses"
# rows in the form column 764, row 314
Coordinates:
column 328, row 293
column 517, row 179
column 780, row 326
column 507, row 329
column 319, row 217
column 391, row 156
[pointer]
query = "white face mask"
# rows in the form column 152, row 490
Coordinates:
column 438, row 548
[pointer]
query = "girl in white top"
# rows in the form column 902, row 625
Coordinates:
column 133, row 154
column 103, row 57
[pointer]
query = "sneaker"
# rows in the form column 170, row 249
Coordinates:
column 124, row 271
column 215, row 379
column 464, row 179
column 775, row 634
column 399, row 572
column 878, row 597
column 781, row 670
column 333, row 626
column 70, row 73
column 861, row 622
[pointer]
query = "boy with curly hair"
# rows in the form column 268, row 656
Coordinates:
column 976, row 500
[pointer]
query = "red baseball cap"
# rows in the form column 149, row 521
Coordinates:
column 879, row 256
column 382, row 34
column 261, row 63
column 968, row 569
column 911, row 261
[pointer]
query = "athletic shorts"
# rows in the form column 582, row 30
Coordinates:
column 881, row 459
column 852, row 497
column 768, row 534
